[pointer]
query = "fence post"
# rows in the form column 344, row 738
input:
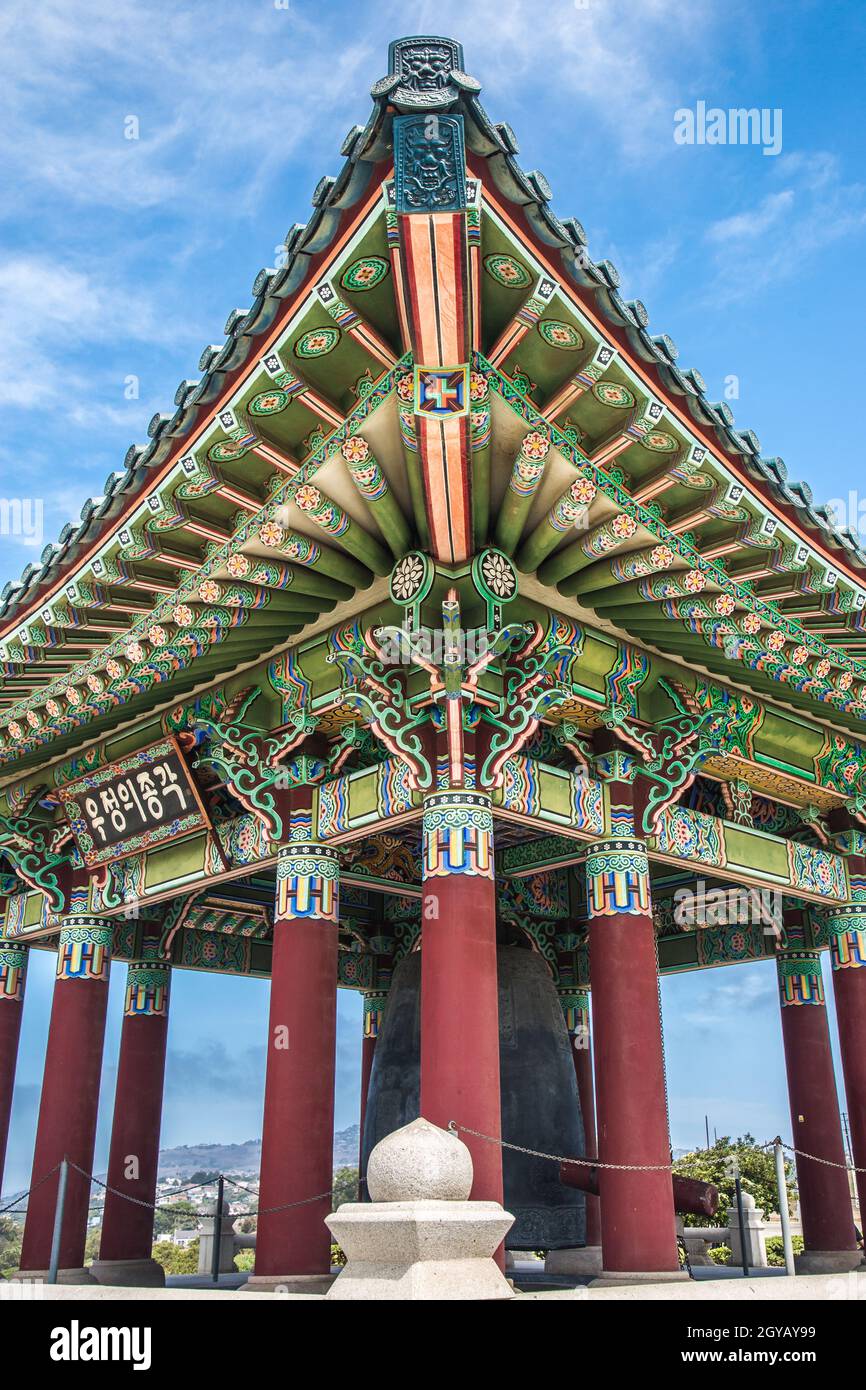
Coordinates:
column 60, row 1205
column 744, row 1253
column 217, row 1232
column 783, row 1206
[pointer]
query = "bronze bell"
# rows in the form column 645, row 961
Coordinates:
column 540, row 1105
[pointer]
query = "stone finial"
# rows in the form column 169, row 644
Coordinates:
column 419, row 1162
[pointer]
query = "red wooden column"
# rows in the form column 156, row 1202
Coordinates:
column 293, row 1246
column 575, row 1005
column 638, row 1234
column 847, row 931
column 70, row 1095
column 374, row 1007
column 13, row 972
column 459, row 991
column 825, row 1199
column 127, row 1228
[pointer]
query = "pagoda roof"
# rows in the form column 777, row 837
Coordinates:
column 201, row 480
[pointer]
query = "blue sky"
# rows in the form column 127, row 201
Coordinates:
column 122, row 258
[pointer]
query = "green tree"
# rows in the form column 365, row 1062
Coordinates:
column 177, row 1259
column 757, row 1176
column 170, row 1218
column 10, row 1245
column 345, row 1187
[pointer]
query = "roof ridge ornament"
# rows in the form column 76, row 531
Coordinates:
column 425, row 73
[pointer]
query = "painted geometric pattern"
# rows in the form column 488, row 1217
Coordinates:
column 800, row 980
column 847, row 934
column 84, row 952
column 307, row 883
column 393, row 797
column 536, row 895
column 691, row 835
column 817, row 870
column 146, row 990
column 13, row 967
column 374, row 1008
column 458, row 836
column 617, row 879
column 583, row 806
column 215, row 952
column 723, row 945
column 575, row 1007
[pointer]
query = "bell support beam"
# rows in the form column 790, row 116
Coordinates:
column 70, row 1095
column 825, row 1200
column 133, row 1163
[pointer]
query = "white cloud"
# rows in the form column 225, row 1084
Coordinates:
column 50, row 311
column 747, row 226
column 207, row 82
column 774, row 240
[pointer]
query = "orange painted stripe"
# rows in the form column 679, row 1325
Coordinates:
column 508, row 341
column 455, row 434
column 449, row 287
column 420, row 289
column 435, row 486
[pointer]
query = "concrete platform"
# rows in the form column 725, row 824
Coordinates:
column 838, row 1288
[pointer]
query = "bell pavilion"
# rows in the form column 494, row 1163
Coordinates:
column 444, row 613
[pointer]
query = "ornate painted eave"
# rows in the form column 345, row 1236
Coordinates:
column 581, row 450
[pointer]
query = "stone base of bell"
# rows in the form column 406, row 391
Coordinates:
column 828, row 1261
column 583, row 1260
column 614, row 1278
column 64, row 1276
column 129, row 1274
column 431, row 1250
column 315, row 1284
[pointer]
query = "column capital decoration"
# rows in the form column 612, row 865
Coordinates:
column 617, row 879
column 575, row 1007
column 457, row 834
column 13, row 969
column 252, row 760
column 670, row 753
column 308, row 882
column 800, row 978
column 374, row 1007
column 84, row 948
column 846, row 932
column 147, row 984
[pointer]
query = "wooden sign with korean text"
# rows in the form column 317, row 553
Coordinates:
column 146, row 799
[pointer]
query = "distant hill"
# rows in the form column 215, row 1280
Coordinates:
column 180, row 1162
